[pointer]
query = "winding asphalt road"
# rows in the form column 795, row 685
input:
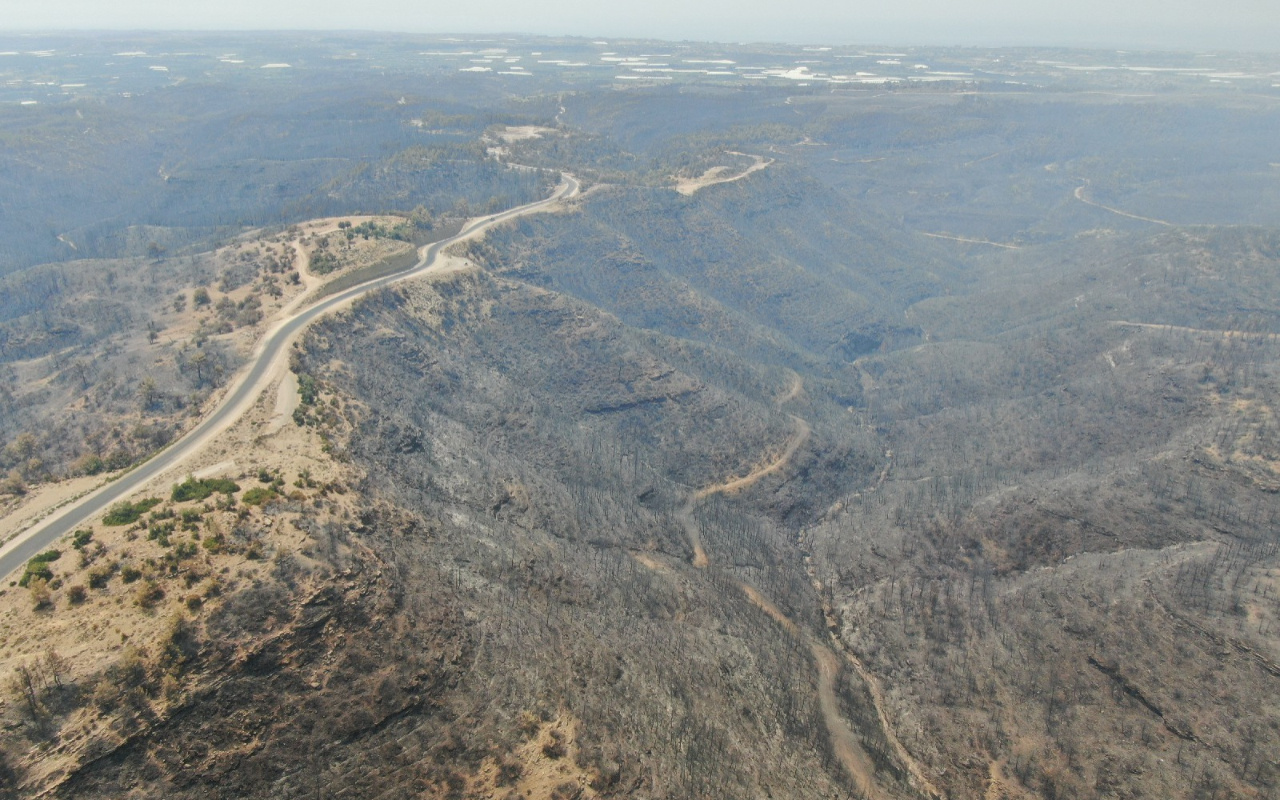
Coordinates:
column 15, row 553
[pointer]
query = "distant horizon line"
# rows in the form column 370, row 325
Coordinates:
column 611, row 39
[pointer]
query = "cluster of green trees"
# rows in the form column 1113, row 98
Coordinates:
column 127, row 513
column 38, row 567
column 193, row 489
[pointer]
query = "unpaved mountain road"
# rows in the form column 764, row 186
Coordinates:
column 796, row 441
column 844, row 742
column 268, row 360
column 719, row 175
column 1080, row 194
column 968, row 240
column 846, row 745
column 1224, row 333
column 685, row 512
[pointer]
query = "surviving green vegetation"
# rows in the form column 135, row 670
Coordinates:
column 38, row 567
column 202, row 488
column 127, row 513
column 259, row 495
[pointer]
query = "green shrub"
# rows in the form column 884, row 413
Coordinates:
column 308, row 389
column 126, row 513
column 200, row 489
column 89, row 464
column 190, row 489
column 215, row 543
column 160, row 533
column 259, row 495
column 323, row 262
column 38, row 567
column 130, row 573
column 81, row 538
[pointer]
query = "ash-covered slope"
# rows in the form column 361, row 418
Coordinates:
column 778, row 267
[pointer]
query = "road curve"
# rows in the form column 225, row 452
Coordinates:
column 245, row 389
column 846, row 745
column 1081, row 195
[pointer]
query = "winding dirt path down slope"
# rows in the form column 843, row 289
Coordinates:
column 691, row 532
column 685, row 512
column 268, row 362
column 794, row 390
column 845, row 743
column 715, row 175
column 1080, row 195
column 796, row 441
column 877, row 700
column 312, row 281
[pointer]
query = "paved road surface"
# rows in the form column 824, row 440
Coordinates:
column 22, row 547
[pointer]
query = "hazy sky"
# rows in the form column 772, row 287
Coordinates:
column 1221, row 24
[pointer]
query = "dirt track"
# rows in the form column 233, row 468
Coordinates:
column 967, row 240
column 845, row 743
column 685, row 513
column 1080, row 195
column 1226, row 334
column 716, row 175
column 728, row 487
